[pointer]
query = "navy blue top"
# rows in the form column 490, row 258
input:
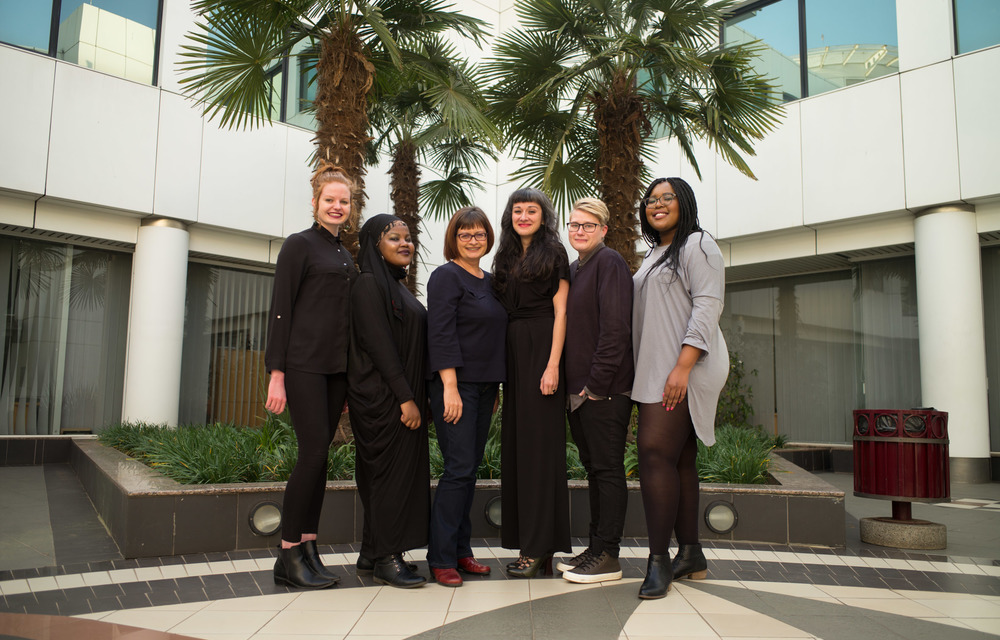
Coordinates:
column 466, row 325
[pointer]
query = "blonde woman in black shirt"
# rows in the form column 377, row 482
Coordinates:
column 307, row 340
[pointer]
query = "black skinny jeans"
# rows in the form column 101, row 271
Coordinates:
column 315, row 402
column 599, row 428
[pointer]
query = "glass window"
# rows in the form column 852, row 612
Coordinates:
column 302, row 87
column 849, row 41
column 977, row 24
column 112, row 36
column 26, row 24
column 64, row 337
column 777, row 27
column 845, row 41
column 225, row 328
column 823, row 345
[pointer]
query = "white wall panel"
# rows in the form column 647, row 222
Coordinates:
column 103, row 142
column 17, row 210
column 177, row 21
column 178, row 158
column 930, row 139
column 25, row 111
column 852, row 152
column 987, row 216
column 977, row 94
column 704, row 188
column 925, row 32
column 774, row 200
column 227, row 244
column 864, row 234
column 93, row 222
column 242, row 178
column 775, row 246
column 297, row 214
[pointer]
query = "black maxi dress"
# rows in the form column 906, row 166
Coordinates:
column 534, row 492
column 387, row 367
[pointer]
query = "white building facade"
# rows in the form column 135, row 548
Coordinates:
column 137, row 239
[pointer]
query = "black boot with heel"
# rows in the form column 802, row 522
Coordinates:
column 690, row 562
column 292, row 569
column 658, row 576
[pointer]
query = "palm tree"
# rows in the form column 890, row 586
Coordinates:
column 432, row 113
column 584, row 87
column 237, row 42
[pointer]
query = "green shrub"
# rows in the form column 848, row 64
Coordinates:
column 739, row 456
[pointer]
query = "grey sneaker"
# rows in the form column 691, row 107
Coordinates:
column 602, row 568
column 567, row 565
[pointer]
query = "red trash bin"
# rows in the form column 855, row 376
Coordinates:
column 901, row 455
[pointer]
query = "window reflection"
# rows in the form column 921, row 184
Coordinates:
column 63, row 366
column 845, row 42
column 977, row 24
column 117, row 37
column 777, row 27
column 850, row 41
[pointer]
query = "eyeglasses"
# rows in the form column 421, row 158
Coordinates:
column 666, row 199
column 467, row 237
column 589, row 227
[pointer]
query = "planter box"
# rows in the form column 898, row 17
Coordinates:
column 148, row 514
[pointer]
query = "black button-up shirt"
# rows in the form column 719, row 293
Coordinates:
column 309, row 323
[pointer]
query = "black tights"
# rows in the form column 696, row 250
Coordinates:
column 315, row 402
column 667, row 474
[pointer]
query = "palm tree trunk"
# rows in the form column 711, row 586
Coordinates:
column 621, row 123
column 405, row 176
column 342, row 125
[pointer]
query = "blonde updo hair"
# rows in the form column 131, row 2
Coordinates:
column 594, row 207
column 325, row 174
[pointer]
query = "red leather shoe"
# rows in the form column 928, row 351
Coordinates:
column 447, row 577
column 473, row 566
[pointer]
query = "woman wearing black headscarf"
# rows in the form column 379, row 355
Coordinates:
column 387, row 401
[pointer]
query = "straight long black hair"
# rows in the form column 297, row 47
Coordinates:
column 687, row 222
column 543, row 253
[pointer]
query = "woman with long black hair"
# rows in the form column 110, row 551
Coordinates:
column 531, row 278
column 306, row 356
column 681, row 364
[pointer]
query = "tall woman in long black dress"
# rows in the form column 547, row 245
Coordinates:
column 531, row 278
column 307, row 358
column 387, row 401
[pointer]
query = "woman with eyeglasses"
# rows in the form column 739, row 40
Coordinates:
column 598, row 380
column 466, row 327
column 681, row 364
column 530, row 276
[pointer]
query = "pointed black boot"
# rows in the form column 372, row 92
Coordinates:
column 658, row 576
column 392, row 571
column 311, row 554
column 690, row 562
column 292, row 569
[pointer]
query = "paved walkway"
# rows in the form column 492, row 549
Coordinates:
column 65, row 567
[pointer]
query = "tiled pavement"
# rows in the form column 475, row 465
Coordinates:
column 753, row 590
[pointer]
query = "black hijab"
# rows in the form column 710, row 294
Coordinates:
column 371, row 261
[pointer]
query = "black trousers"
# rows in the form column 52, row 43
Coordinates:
column 315, row 402
column 599, row 428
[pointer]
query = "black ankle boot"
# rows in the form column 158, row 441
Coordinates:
column 311, row 554
column 292, row 569
column 391, row 570
column 365, row 565
column 690, row 562
column 658, row 576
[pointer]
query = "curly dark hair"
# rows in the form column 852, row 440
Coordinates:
column 543, row 253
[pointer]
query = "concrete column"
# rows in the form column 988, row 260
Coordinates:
column 156, row 322
column 952, row 337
